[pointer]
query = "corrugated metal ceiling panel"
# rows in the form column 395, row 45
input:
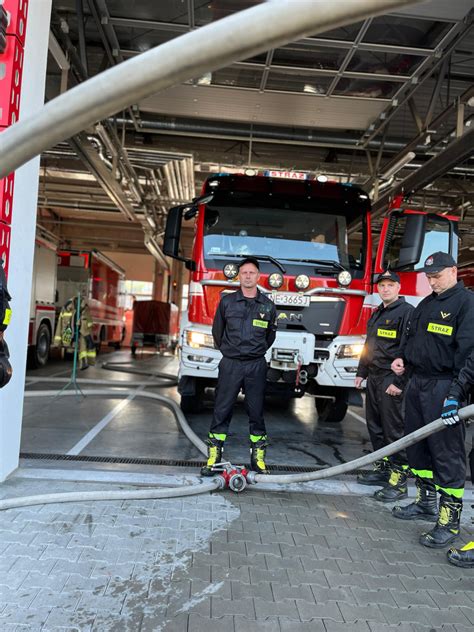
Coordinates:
column 269, row 107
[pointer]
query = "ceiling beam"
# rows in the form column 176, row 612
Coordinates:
column 457, row 152
column 89, row 156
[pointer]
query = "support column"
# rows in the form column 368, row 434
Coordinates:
column 177, row 283
column 160, row 284
column 22, row 239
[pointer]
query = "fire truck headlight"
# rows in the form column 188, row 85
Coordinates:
column 231, row 270
column 197, row 339
column 344, row 278
column 349, row 351
column 275, row 280
column 302, row 281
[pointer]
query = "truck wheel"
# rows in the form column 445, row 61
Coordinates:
column 193, row 403
column 331, row 411
column 39, row 354
column 101, row 342
column 190, row 404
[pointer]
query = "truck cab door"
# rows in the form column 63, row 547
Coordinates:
column 407, row 238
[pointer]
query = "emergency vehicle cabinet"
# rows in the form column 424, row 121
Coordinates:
column 313, row 240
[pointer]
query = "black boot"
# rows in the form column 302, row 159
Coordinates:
column 396, row 488
column 424, row 507
column 378, row 476
column 215, row 448
column 446, row 528
column 462, row 557
column 257, row 455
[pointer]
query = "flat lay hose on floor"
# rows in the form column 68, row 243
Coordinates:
column 128, row 367
column 216, row 483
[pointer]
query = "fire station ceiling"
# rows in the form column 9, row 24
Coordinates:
column 378, row 103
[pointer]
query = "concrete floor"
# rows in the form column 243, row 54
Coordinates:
column 143, row 428
column 318, row 557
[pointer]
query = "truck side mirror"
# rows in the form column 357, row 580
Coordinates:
column 412, row 241
column 173, row 232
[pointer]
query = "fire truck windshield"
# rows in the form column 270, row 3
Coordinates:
column 299, row 238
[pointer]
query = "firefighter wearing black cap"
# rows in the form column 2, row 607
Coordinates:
column 459, row 393
column 244, row 328
column 386, row 334
column 440, row 339
column 5, row 315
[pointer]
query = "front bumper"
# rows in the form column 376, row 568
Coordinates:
column 289, row 350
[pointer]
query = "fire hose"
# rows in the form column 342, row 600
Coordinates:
column 227, row 475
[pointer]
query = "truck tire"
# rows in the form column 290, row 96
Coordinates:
column 331, row 411
column 39, row 353
column 193, row 404
column 190, row 404
column 101, row 342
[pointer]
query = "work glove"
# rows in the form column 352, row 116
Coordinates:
column 449, row 414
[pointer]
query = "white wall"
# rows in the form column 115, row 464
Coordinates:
column 23, row 239
column 137, row 267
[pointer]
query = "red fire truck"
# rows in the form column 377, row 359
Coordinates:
column 43, row 294
column 313, row 240
column 99, row 280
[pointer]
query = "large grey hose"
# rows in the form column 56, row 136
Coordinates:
column 216, row 483
column 127, row 367
column 112, row 383
column 344, row 468
column 216, row 45
column 134, row 494
column 167, row 401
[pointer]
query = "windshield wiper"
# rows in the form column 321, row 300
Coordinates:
column 216, row 255
column 321, row 262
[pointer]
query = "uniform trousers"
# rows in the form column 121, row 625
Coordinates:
column 248, row 375
column 442, row 453
column 384, row 413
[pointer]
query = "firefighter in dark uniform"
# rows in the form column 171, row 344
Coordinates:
column 386, row 333
column 458, row 394
column 5, row 315
column 244, row 328
column 440, row 339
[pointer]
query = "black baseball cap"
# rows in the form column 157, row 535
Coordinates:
column 388, row 275
column 249, row 260
column 437, row 262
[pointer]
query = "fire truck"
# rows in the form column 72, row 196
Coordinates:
column 99, row 280
column 313, row 240
column 43, row 295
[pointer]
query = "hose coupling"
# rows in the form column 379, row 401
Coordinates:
column 231, row 476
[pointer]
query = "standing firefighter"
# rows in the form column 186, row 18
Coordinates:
column 66, row 331
column 243, row 329
column 5, row 314
column 440, row 339
column 458, row 394
column 386, row 335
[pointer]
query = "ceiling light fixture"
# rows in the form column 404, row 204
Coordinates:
column 205, row 80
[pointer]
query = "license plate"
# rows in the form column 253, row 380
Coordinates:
column 290, row 299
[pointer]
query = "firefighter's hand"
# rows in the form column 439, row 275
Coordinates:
column 358, row 382
column 393, row 390
column 398, row 366
column 449, row 414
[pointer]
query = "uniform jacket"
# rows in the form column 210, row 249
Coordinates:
column 386, row 334
column 244, row 328
column 65, row 328
column 441, row 335
column 464, row 382
column 5, row 311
